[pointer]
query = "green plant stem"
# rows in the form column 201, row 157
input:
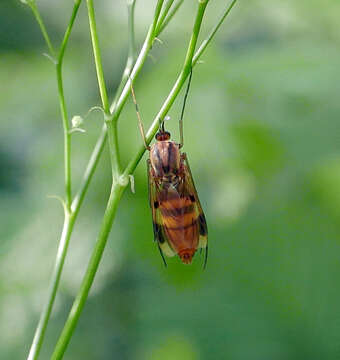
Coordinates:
column 97, row 56
column 67, row 137
column 68, row 30
column 69, row 217
column 163, row 14
column 112, row 133
column 89, row 171
column 45, row 315
column 63, row 108
column 131, row 52
column 32, row 4
column 166, row 19
column 206, row 42
column 111, row 126
column 117, row 107
column 110, row 212
column 131, row 29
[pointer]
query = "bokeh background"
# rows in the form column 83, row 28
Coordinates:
column 263, row 138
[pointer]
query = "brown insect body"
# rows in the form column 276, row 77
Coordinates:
column 179, row 222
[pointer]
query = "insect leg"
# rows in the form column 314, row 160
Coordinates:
column 140, row 124
column 182, row 113
column 205, row 257
column 160, row 251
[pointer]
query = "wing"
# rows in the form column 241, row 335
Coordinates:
column 157, row 220
column 190, row 189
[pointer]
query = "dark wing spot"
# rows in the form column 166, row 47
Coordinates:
column 157, row 230
column 192, row 198
column 202, row 225
column 156, row 204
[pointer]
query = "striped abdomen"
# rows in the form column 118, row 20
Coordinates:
column 180, row 221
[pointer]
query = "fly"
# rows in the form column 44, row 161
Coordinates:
column 179, row 222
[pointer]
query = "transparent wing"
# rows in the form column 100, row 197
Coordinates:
column 190, row 189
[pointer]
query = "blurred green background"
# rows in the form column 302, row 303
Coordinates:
column 263, row 140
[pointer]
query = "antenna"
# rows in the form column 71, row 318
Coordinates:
column 182, row 113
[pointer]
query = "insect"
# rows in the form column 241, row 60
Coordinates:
column 179, row 223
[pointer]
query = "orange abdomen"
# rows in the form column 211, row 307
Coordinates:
column 181, row 226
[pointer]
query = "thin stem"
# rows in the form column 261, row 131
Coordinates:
column 97, row 56
column 131, row 52
column 89, row 171
column 110, row 212
column 131, row 28
column 174, row 91
column 69, row 218
column 116, row 110
column 32, row 4
column 163, row 15
column 206, row 42
column 67, row 136
column 112, row 128
column 68, row 30
column 114, row 149
column 63, row 108
column 45, row 315
column 161, row 25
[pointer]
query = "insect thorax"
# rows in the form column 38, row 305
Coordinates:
column 165, row 159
